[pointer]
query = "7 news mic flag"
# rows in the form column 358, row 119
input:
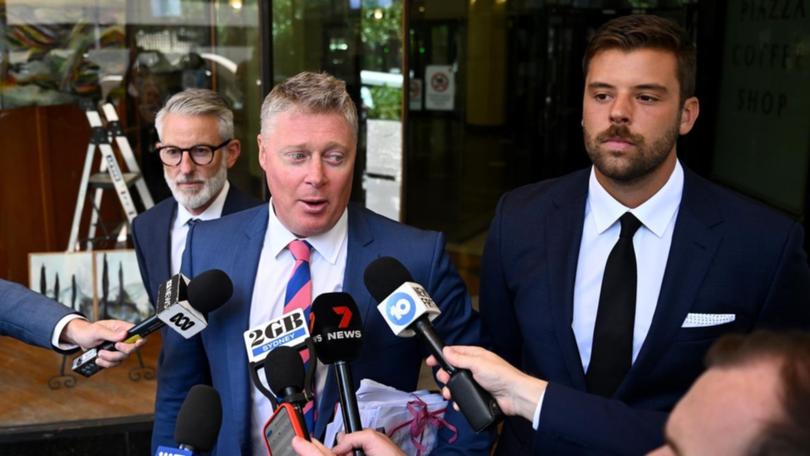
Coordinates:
column 337, row 332
column 408, row 309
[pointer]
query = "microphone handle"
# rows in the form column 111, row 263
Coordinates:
column 348, row 400
column 476, row 404
column 135, row 333
column 425, row 330
column 299, row 415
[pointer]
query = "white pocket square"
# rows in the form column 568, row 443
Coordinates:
column 702, row 320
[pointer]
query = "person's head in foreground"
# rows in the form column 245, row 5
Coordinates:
column 754, row 399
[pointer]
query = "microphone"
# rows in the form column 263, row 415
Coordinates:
column 284, row 370
column 182, row 305
column 408, row 309
column 338, row 336
column 288, row 330
column 197, row 423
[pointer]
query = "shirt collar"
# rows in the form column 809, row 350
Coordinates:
column 214, row 211
column 327, row 244
column 655, row 214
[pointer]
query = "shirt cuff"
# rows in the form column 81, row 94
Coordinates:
column 57, row 332
column 536, row 416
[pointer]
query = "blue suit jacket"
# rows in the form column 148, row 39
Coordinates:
column 29, row 316
column 217, row 355
column 151, row 236
column 728, row 255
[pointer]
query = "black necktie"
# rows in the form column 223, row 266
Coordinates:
column 612, row 350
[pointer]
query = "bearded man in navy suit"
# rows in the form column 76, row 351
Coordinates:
column 307, row 148
column 197, row 148
column 610, row 284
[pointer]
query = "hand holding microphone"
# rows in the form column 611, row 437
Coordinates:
column 517, row 393
column 182, row 305
column 87, row 335
column 408, row 309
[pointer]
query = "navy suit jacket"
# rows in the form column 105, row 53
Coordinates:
column 217, row 355
column 151, row 232
column 29, row 316
column 728, row 255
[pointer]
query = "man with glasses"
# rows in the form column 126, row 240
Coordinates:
column 196, row 147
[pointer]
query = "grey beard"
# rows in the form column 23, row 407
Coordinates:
column 209, row 191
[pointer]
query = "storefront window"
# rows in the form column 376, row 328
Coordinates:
column 134, row 54
column 57, row 57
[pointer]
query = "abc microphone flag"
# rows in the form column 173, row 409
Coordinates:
column 182, row 305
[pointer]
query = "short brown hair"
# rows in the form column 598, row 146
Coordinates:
column 788, row 434
column 310, row 92
column 642, row 31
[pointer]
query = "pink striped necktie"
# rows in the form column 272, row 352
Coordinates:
column 299, row 296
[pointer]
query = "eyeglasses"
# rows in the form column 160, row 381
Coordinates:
column 200, row 154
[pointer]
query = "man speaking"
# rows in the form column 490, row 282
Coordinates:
column 308, row 240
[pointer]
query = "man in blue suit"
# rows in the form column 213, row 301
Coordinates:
column 609, row 284
column 34, row 319
column 197, row 148
column 307, row 149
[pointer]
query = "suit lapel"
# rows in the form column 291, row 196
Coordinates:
column 161, row 238
column 243, row 266
column 695, row 240
column 563, row 237
column 230, row 206
column 358, row 256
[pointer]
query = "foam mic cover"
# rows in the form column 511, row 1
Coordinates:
column 384, row 275
column 284, row 369
column 209, row 290
column 337, row 329
column 199, row 419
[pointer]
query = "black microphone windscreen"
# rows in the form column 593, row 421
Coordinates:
column 337, row 327
column 284, row 368
column 199, row 418
column 209, row 290
column 384, row 275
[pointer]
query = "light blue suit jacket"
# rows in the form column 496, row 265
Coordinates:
column 217, row 355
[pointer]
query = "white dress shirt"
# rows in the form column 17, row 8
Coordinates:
column 327, row 266
column 180, row 225
column 59, row 328
column 652, row 241
column 600, row 232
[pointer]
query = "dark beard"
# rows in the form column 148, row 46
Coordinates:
column 647, row 159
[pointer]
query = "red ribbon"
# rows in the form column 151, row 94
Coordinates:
column 422, row 418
